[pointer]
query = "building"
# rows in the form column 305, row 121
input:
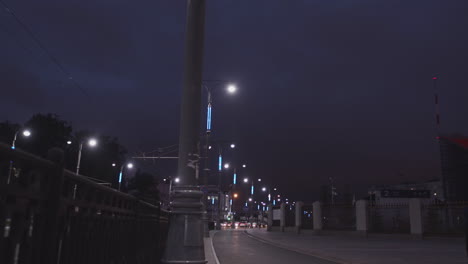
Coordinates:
column 454, row 164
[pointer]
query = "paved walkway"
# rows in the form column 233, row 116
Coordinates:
column 237, row 247
column 373, row 250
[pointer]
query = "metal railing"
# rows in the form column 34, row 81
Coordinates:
column 389, row 218
column 307, row 216
column 339, row 217
column 444, row 218
column 51, row 215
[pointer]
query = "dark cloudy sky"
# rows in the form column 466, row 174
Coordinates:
column 337, row 89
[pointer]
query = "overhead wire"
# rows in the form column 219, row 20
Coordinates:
column 54, row 59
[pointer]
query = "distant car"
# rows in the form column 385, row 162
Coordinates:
column 243, row 224
column 254, row 225
column 223, row 224
column 236, row 224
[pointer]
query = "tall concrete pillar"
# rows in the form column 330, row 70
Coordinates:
column 317, row 215
column 270, row 217
column 282, row 216
column 185, row 235
column 415, row 214
column 361, row 216
column 298, row 216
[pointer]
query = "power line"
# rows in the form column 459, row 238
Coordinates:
column 44, row 48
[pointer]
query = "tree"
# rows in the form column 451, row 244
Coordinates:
column 47, row 131
column 97, row 162
column 145, row 187
column 7, row 132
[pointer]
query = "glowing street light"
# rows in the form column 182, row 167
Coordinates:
column 236, row 195
column 25, row 133
column 92, row 143
column 246, row 180
column 129, row 166
column 243, row 165
column 113, row 164
column 250, row 199
column 69, row 142
column 259, row 180
column 264, row 189
column 233, row 146
column 231, row 88
column 226, row 166
column 177, row 180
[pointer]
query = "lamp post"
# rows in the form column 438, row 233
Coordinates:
column 25, row 133
column 129, row 166
column 92, row 143
column 185, row 235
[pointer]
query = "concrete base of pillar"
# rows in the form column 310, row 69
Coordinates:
column 282, row 228
column 185, row 236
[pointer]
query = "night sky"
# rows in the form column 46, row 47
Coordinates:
column 336, row 89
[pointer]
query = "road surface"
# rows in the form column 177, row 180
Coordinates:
column 236, row 247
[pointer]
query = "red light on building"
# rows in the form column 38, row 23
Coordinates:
column 434, row 78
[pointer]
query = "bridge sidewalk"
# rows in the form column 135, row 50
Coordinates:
column 372, row 250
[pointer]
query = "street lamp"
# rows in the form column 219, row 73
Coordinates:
column 129, row 166
column 226, row 166
column 231, row 88
column 69, row 142
column 243, row 165
column 233, row 146
column 92, row 143
column 264, row 189
column 246, row 180
column 25, row 133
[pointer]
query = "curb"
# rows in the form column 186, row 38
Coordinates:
column 212, row 247
column 330, row 259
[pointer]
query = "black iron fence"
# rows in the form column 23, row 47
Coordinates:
column 307, row 217
column 50, row 215
column 444, row 218
column 339, row 217
column 389, row 218
column 290, row 215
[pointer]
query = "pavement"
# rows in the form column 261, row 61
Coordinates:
column 244, row 246
column 361, row 250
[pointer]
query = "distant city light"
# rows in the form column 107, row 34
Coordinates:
column 226, row 166
column 250, row 199
column 69, row 142
column 26, row 133
column 209, row 147
column 113, row 164
column 246, row 180
column 233, row 145
column 259, row 180
column 243, row 165
column 236, row 195
column 263, row 189
column 130, row 165
column 177, row 180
